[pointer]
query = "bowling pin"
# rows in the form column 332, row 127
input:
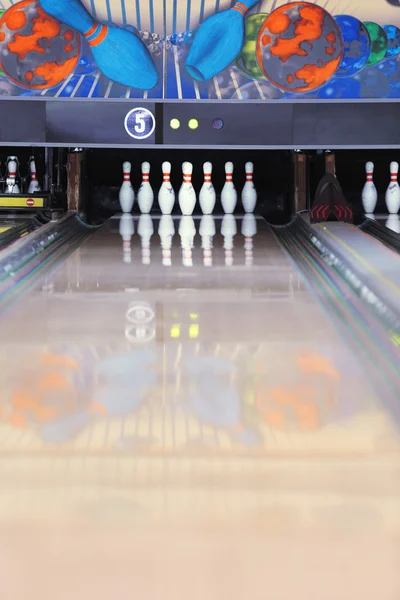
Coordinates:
column 145, row 230
column 228, row 194
column 207, row 195
column 126, row 231
column 228, row 230
column 249, row 229
column 393, row 192
column 166, row 195
column 34, row 184
column 145, row 195
column 126, row 193
column 249, row 194
column 119, row 54
column 393, row 223
column 12, row 186
column 207, row 232
column 166, row 231
column 218, row 41
column 187, row 231
column 187, row 194
column 369, row 195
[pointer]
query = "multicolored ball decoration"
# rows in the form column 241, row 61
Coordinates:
column 379, row 43
column 299, row 47
column 247, row 61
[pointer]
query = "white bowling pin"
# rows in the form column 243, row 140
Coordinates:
column 34, row 184
column 126, row 230
column 249, row 194
column 369, row 195
column 187, row 194
column 11, row 181
column 207, row 232
column 228, row 230
column 228, row 194
column 393, row 223
column 393, row 192
column 145, row 195
column 249, row 229
column 187, row 231
column 166, row 231
column 207, row 195
column 166, row 194
column 145, row 231
column 126, row 193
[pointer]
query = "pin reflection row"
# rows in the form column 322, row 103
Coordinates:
column 165, row 227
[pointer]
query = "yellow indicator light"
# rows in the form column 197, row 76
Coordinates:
column 194, row 331
column 193, row 124
column 175, row 331
column 193, row 317
column 174, row 123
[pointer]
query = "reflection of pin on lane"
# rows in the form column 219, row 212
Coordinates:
column 145, row 231
column 126, row 231
column 119, row 54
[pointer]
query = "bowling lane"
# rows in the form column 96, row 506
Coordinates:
column 376, row 264
column 207, row 424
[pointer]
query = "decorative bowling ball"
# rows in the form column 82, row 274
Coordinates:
column 36, row 51
column 299, row 47
column 379, row 42
column 247, row 61
column 356, row 45
column 393, row 36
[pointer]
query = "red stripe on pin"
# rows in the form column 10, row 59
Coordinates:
column 241, row 8
column 249, row 178
column 229, row 177
column 145, row 177
column 187, row 178
column 91, row 30
column 96, row 41
column 207, row 177
column 166, row 178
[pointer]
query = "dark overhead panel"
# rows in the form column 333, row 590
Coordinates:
column 202, row 124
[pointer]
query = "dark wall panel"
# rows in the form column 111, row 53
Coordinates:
column 86, row 122
column 22, row 121
column 251, row 124
column 346, row 124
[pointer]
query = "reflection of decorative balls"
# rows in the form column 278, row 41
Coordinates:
column 393, row 36
column 247, row 60
column 379, row 42
column 299, row 47
column 356, row 45
column 36, row 51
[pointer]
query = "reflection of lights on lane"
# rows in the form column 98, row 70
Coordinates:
column 175, row 331
column 140, row 333
column 140, row 312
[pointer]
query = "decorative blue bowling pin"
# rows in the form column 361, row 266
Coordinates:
column 218, row 41
column 120, row 55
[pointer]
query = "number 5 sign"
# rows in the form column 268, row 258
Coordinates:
column 140, row 123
